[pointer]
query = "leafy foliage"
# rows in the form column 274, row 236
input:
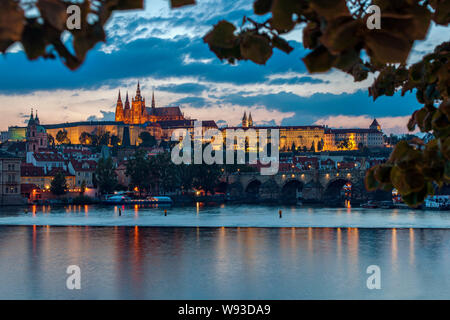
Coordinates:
column 58, row 185
column 147, row 140
column 62, row 137
column 41, row 35
column 105, row 175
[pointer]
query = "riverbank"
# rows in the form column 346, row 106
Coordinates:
column 223, row 215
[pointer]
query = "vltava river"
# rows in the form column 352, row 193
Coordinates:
column 132, row 261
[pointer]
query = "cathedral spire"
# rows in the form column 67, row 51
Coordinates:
column 127, row 102
column 36, row 118
column 250, row 120
column 153, row 99
column 138, row 90
column 31, row 120
column 119, row 109
column 244, row 120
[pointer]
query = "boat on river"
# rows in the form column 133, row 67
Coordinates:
column 369, row 205
column 124, row 199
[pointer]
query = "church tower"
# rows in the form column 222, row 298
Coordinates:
column 36, row 136
column 153, row 100
column 375, row 125
column 250, row 120
column 119, row 109
column 244, row 120
column 138, row 107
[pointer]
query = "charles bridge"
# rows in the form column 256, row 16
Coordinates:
column 310, row 185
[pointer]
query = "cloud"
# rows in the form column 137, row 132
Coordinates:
column 191, row 88
column 105, row 116
column 394, row 125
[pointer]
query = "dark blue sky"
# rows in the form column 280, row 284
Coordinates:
column 164, row 50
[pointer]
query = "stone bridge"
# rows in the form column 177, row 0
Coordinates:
column 308, row 185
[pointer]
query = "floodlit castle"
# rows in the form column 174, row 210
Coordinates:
column 138, row 113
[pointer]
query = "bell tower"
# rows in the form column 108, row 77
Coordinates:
column 119, row 109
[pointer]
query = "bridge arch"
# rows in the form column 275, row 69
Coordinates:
column 221, row 187
column 291, row 190
column 252, row 188
column 335, row 190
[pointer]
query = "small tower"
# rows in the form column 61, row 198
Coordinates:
column 119, row 109
column 250, row 120
column 31, row 120
column 244, row 120
column 375, row 125
column 127, row 102
column 153, row 99
column 138, row 93
column 36, row 136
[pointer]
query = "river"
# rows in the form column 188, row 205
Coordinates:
column 223, row 252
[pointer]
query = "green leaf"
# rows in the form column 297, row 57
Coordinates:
column 341, row 34
column 398, row 181
column 385, row 47
column 11, row 23
column 256, row 48
column 33, row 40
column 222, row 35
column 383, row 173
column 311, row 35
column 282, row 13
column 320, row 60
column 54, row 13
column 370, row 181
column 330, row 9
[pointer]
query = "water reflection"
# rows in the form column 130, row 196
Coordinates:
column 223, row 263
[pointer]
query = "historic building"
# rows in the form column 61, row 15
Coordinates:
column 36, row 136
column 356, row 138
column 10, row 179
column 320, row 138
column 139, row 113
column 131, row 119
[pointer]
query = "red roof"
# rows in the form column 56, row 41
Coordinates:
column 28, row 170
column 84, row 165
column 48, row 157
column 53, row 172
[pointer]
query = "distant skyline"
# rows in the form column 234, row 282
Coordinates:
column 163, row 49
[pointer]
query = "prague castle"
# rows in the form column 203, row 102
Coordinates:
column 132, row 117
column 139, row 113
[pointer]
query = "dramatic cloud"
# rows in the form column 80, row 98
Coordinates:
column 163, row 48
